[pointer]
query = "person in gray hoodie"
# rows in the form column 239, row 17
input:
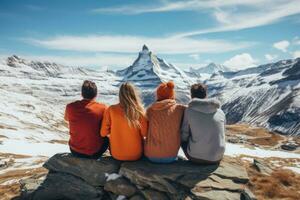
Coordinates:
column 203, row 128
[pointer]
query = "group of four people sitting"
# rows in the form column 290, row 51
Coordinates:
column 130, row 131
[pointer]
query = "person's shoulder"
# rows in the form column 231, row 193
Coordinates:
column 181, row 106
column 72, row 104
column 114, row 107
column 221, row 113
column 101, row 105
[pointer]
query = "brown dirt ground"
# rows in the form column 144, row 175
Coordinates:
column 259, row 136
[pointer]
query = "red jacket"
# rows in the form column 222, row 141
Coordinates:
column 85, row 119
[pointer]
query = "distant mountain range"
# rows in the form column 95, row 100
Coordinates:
column 267, row 95
column 211, row 68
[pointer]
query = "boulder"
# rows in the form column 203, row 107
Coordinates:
column 3, row 164
column 216, row 195
column 262, row 167
column 289, row 147
column 137, row 197
column 79, row 179
column 66, row 186
column 30, row 184
column 120, row 186
column 183, row 175
column 92, row 171
column 154, row 195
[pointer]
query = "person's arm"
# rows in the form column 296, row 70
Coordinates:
column 106, row 124
column 66, row 116
column 144, row 127
column 185, row 127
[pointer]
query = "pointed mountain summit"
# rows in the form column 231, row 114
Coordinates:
column 148, row 71
column 145, row 48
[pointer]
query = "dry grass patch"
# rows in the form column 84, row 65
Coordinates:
column 21, row 173
column 8, row 191
column 59, row 141
column 281, row 184
column 255, row 135
column 11, row 155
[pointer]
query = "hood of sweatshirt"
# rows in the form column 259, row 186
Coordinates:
column 164, row 104
column 205, row 105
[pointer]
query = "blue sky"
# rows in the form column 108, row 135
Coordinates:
column 189, row 33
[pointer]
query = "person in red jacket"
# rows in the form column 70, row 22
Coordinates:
column 85, row 117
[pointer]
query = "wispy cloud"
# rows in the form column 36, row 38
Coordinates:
column 296, row 54
column 251, row 13
column 240, row 61
column 270, row 57
column 195, row 56
column 282, row 45
column 235, row 19
column 132, row 44
column 180, row 5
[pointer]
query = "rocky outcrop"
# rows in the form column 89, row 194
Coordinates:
column 77, row 178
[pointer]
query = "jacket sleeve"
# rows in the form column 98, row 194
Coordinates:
column 185, row 128
column 106, row 123
column 144, row 126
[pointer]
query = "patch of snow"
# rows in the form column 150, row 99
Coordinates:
column 121, row 197
column 111, row 177
column 34, row 149
column 237, row 150
column 294, row 169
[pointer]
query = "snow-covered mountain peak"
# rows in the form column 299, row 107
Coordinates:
column 148, row 71
column 145, row 48
column 211, row 68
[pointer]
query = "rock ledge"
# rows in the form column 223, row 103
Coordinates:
column 77, row 178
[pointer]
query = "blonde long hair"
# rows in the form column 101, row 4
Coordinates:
column 131, row 103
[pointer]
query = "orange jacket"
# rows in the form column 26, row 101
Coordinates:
column 126, row 142
column 163, row 138
column 84, row 119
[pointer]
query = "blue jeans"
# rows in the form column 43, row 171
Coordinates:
column 162, row 160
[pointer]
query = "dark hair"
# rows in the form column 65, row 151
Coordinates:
column 89, row 90
column 199, row 90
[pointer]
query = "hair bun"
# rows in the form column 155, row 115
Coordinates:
column 171, row 84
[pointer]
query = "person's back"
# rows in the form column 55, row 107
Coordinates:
column 164, row 116
column 125, row 125
column 203, row 128
column 84, row 117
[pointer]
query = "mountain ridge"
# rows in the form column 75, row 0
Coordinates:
column 266, row 95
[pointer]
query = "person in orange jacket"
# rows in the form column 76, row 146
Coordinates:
column 164, row 116
column 125, row 125
column 84, row 118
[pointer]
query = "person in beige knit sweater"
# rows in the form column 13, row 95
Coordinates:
column 164, row 118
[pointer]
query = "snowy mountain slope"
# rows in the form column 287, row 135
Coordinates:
column 267, row 95
column 211, row 68
column 32, row 101
column 148, row 71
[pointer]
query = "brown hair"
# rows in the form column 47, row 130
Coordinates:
column 131, row 103
column 88, row 90
column 199, row 90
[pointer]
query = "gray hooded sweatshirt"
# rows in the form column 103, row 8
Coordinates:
column 203, row 128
